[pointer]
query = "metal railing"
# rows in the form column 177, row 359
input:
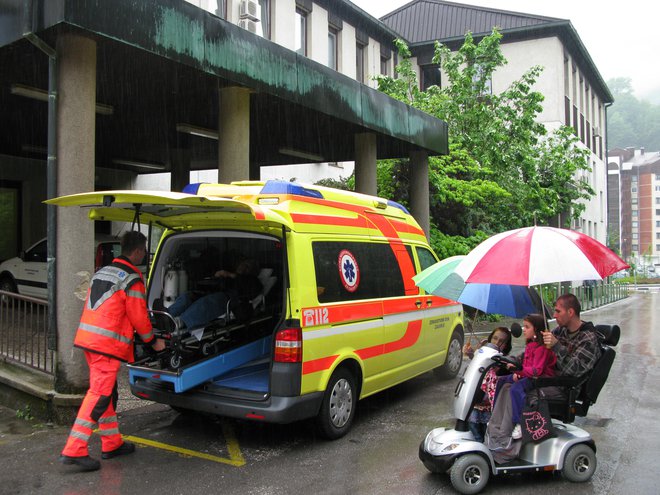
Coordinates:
column 590, row 296
column 24, row 331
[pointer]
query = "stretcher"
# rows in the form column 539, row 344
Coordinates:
column 186, row 345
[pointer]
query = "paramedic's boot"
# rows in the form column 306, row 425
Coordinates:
column 85, row 462
column 123, row 449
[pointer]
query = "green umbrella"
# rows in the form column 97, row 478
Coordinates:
column 442, row 274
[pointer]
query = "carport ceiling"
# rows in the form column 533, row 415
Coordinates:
column 150, row 94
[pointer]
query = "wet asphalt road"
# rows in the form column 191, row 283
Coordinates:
column 180, row 454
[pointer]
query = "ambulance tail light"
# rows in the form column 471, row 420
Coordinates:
column 288, row 346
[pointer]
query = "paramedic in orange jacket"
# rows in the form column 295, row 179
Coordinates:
column 114, row 309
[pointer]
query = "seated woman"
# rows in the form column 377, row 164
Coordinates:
column 240, row 286
column 499, row 338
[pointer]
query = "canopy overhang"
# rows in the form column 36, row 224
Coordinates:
column 160, row 66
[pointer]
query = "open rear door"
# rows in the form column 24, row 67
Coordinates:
column 168, row 209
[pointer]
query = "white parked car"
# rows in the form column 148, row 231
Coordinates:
column 27, row 274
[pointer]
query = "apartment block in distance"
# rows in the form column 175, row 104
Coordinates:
column 634, row 219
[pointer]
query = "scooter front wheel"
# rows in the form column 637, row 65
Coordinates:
column 470, row 474
column 579, row 464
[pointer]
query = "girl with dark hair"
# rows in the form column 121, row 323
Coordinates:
column 480, row 415
column 537, row 361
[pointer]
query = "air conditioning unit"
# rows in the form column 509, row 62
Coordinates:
column 248, row 9
column 249, row 25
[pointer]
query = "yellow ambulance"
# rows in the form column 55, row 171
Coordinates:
column 338, row 316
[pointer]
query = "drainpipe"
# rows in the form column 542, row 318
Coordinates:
column 51, row 166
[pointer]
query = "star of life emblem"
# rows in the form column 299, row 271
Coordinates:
column 349, row 271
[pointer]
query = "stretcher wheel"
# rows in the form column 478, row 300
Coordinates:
column 208, row 349
column 175, row 360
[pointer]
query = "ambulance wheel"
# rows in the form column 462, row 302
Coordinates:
column 175, row 361
column 454, row 357
column 470, row 474
column 338, row 407
column 579, row 463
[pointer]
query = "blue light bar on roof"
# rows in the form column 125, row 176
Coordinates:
column 192, row 188
column 399, row 206
column 284, row 187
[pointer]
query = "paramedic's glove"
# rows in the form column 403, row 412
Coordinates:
column 158, row 345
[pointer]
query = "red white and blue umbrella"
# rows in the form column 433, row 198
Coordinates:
column 538, row 255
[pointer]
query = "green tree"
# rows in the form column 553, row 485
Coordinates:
column 631, row 122
column 503, row 170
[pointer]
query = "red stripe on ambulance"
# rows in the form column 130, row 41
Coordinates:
column 329, row 220
column 320, row 364
column 341, row 314
column 408, row 339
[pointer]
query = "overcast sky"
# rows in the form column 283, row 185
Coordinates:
column 621, row 37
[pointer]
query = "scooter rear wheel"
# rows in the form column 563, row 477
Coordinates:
column 470, row 474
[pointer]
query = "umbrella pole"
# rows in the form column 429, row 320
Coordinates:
column 472, row 335
column 545, row 318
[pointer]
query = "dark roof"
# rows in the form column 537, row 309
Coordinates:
column 422, row 22
column 425, row 20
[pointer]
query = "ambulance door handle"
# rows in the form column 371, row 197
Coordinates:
column 418, row 303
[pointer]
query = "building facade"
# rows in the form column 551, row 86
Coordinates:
column 575, row 93
column 634, row 180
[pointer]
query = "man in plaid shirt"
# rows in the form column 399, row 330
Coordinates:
column 574, row 341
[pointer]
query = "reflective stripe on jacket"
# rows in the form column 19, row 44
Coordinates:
column 115, row 307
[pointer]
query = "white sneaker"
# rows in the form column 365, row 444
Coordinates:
column 516, row 433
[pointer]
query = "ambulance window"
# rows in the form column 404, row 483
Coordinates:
column 426, row 258
column 349, row 271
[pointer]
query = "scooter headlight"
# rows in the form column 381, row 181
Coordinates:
column 449, row 447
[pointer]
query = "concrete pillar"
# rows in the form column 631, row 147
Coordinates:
column 180, row 163
column 76, row 122
column 234, row 134
column 419, row 189
column 365, row 164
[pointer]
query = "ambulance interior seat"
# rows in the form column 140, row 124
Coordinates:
column 582, row 392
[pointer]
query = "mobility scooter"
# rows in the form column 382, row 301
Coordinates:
column 571, row 451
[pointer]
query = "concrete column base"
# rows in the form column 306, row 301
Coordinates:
column 31, row 392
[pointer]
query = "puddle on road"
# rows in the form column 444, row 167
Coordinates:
column 12, row 425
